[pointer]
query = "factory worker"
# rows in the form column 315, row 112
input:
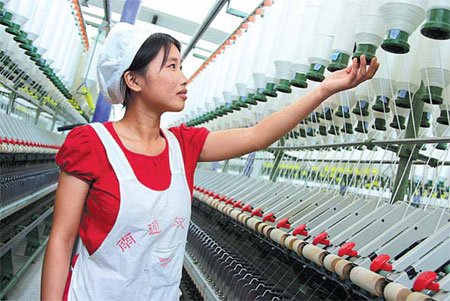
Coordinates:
column 126, row 187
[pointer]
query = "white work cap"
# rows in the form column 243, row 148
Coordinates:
column 119, row 50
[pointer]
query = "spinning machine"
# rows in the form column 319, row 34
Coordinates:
column 353, row 203
column 43, row 47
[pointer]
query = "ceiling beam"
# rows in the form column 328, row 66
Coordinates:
column 165, row 20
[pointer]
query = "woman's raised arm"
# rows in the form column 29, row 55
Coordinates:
column 222, row 145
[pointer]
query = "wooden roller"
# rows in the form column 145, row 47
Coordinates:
column 313, row 253
column 343, row 268
column 297, row 246
column 234, row 214
column 260, row 227
column 330, row 262
column 243, row 218
column 265, row 230
column 368, row 280
column 396, row 292
column 252, row 223
column 215, row 203
column 289, row 241
column 417, row 296
column 278, row 236
column 220, row 207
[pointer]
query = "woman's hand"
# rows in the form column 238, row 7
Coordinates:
column 348, row 78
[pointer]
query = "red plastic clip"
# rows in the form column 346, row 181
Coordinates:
column 347, row 249
column 425, row 280
column 247, row 208
column 300, row 230
column 229, row 201
column 284, row 223
column 380, row 263
column 257, row 212
column 238, row 205
column 321, row 239
column 270, row 217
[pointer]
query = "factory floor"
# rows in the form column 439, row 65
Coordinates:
column 29, row 286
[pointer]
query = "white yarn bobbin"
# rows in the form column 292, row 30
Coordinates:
column 323, row 38
column 437, row 25
column 436, row 69
column 344, row 36
column 253, row 34
column 283, row 49
column 304, row 43
column 369, row 30
column 401, row 18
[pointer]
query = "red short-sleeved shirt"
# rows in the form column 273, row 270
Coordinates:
column 84, row 156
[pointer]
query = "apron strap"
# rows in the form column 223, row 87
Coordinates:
column 115, row 155
column 175, row 155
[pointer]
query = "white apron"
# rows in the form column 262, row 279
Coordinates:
column 142, row 256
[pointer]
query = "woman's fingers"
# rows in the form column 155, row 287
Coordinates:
column 362, row 67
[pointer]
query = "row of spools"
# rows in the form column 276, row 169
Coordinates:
column 45, row 40
column 291, row 43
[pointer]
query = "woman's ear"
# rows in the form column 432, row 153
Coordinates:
column 133, row 81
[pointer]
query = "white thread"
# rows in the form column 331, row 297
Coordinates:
column 323, row 38
column 272, row 16
column 302, row 48
column 436, row 4
column 369, row 28
column 405, row 15
column 436, row 68
column 344, row 38
column 406, row 68
column 254, row 33
column 284, row 49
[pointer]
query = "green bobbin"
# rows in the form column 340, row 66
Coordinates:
column 250, row 100
column 396, row 41
column 316, row 72
column 242, row 102
column 299, row 81
column 433, row 95
column 284, row 86
column 14, row 29
column 362, row 127
column 380, row 124
column 339, row 61
column 404, row 99
column 437, row 26
column 425, row 121
column 333, row 130
column 322, row 130
column 347, row 128
column 5, row 20
column 270, row 90
column 259, row 96
column 343, row 112
column 381, row 104
column 398, row 122
column 365, row 49
column 444, row 117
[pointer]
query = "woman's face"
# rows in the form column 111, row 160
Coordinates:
column 165, row 87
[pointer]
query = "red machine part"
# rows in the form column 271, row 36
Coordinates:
column 347, row 250
column 300, row 230
column 425, row 280
column 321, row 239
column 380, row 263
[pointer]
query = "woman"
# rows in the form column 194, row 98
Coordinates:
column 126, row 187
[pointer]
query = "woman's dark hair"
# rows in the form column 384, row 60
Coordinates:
column 146, row 53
